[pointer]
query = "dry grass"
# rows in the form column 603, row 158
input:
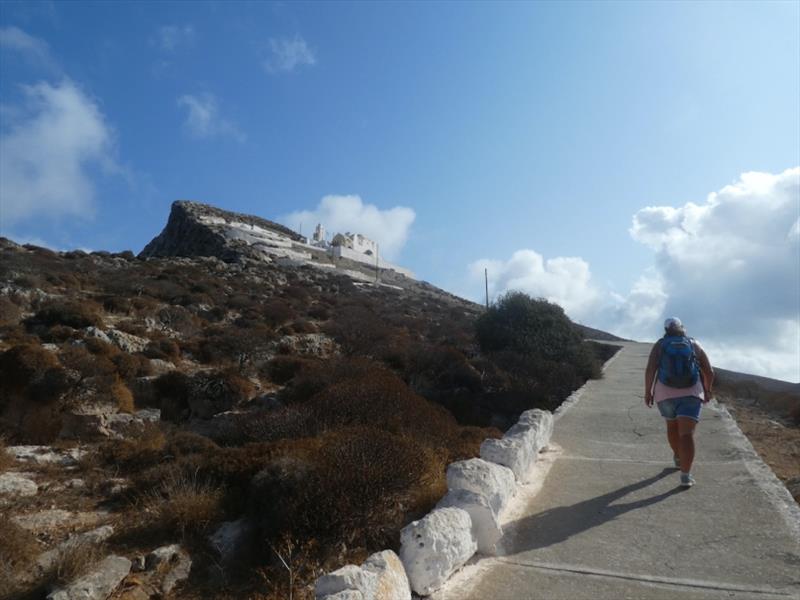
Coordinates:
column 182, row 504
column 6, row 460
column 75, row 560
column 18, row 551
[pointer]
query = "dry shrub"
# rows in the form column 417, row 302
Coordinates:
column 182, row 504
column 121, row 395
column 73, row 313
column 22, row 365
column 164, row 349
column 9, row 312
column 18, row 552
column 86, row 364
column 143, row 450
column 315, row 376
column 172, row 391
column 185, row 443
column 130, row 366
column 381, row 399
column 74, row 560
column 360, row 487
column 276, row 312
column 282, row 369
column 6, row 460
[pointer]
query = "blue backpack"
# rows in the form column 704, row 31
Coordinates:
column 677, row 366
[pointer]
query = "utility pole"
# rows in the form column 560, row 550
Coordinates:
column 486, row 280
column 377, row 263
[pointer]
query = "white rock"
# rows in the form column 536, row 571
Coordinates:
column 391, row 580
column 159, row 366
column 486, row 527
column 228, row 537
column 347, row 578
column 46, row 520
column 517, row 452
column 98, row 333
column 494, row 481
column 344, row 595
column 381, row 577
column 96, row 536
column 434, row 547
column 162, row 555
column 540, row 421
column 98, row 584
column 45, row 455
column 16, row 484
column 127, row 342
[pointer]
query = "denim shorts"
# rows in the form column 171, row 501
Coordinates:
column 686, row 406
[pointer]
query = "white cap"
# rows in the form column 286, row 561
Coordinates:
column 673, row 323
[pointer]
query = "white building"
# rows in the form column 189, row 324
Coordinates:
column 355, row 247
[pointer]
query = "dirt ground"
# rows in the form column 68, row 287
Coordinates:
column 774, row 435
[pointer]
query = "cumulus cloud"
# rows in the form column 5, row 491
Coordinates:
column 729, row 267
column 288, row 53
column 563, row 280
column 13, row 39
column 171, row 37
column 49, row 145
column 340, row 214
column 203, row 119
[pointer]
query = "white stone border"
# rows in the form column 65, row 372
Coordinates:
column 467, row 520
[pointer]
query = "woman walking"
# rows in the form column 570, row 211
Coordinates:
column 679, row 379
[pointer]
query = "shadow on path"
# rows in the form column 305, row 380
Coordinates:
column 558, row 524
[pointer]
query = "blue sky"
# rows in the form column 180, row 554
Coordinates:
column 525, row 137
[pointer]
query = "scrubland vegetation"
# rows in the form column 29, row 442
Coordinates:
column 322, row 411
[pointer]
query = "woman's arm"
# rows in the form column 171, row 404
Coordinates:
column 650, row 373
column 706, row 372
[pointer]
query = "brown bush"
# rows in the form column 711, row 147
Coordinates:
column 130, row 366
column 74, row 560
column 381, row 400
column 276, row 312
column 182, row 504
column 172, row 391
column 185, row 443
column 75, row 314
column 9, row 312
column 23, row 364
column 18, row 552
column 282, row 369
column 165, row 349
column 86, row 364
column 6, row 460
column 121, row 395
column 137, row 452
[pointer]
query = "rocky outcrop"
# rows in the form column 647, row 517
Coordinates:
column 381, row 577
column 98, row 584
column 196, row 229
column 16, row 485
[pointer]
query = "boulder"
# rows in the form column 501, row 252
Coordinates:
column 434, row 547
column 98, row 584
column 159, row 366
column 228, row 538
column 172, row 560
column 48, row 559
column 96, row 332
column 127, row 342
column 489, row 479
column 46, row 455
column 486, row 527
column 391, row 580
column 16, row 484
column 515, row 451
column 538, row 423
column 381, row 577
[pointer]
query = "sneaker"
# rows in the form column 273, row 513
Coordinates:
column 676, row 460
column 687, row 480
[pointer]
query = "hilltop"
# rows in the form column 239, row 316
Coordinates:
column 229, row 387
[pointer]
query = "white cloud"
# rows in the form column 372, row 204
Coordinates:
column 34, row 49
column 340, row 214
column 204, row 121
column 728, row 267
column 288, row 54
column 47, row 149
column 170, row 37
column 563, row 280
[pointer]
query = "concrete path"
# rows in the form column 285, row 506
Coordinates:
column 611, row 522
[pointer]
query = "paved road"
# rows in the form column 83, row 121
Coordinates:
column 611, row 522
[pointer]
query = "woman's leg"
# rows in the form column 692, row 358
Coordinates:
column 686, row 427
column 673, row 437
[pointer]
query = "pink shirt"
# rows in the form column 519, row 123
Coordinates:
column 663, row 392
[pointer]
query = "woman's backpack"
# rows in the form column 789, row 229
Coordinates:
column 677, row 366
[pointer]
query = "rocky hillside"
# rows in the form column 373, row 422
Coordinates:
column 186, row 421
